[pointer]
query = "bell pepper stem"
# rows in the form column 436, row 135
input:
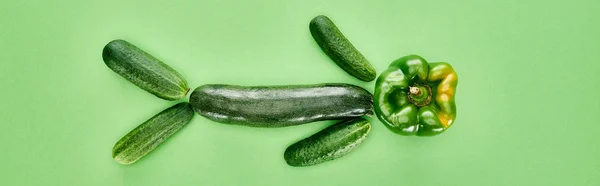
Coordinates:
column 420, row 95
column 416, row 91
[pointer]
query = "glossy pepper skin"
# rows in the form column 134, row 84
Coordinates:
column 414, row 97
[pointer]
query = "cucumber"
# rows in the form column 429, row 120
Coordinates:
column 144, row 70
column 280, row 106
column 340, row 50
column 147, row 136
column 330, row 143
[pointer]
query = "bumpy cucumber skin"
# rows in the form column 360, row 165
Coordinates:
column 280, row 106
column 147, row 136
column 143, row 70
column 340, row 50
column 330, row 143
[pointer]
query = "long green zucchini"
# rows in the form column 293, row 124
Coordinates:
column 330, row 143
column 144, row 70
column 280, row 106
column 147, row 136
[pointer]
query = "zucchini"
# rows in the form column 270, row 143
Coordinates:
column 280, row 106
column 340, row 50
column 147, row 136
column 330, row 143
column 143, row 70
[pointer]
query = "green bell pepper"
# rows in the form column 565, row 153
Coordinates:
column 413, row 97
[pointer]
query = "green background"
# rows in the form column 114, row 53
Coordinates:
column 527, row 95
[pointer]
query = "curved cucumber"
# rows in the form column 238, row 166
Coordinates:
column 330, row 143
column 280, row 106
column 144, row 70
column 147, row 136
column 339, row 49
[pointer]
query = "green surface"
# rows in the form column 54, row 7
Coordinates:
column 526, row 98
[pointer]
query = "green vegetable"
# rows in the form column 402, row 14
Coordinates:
column 144, row 70
column 330, row 143
column 280, row 106
column 413, row 97
column 340, row 50
column 147, row 136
